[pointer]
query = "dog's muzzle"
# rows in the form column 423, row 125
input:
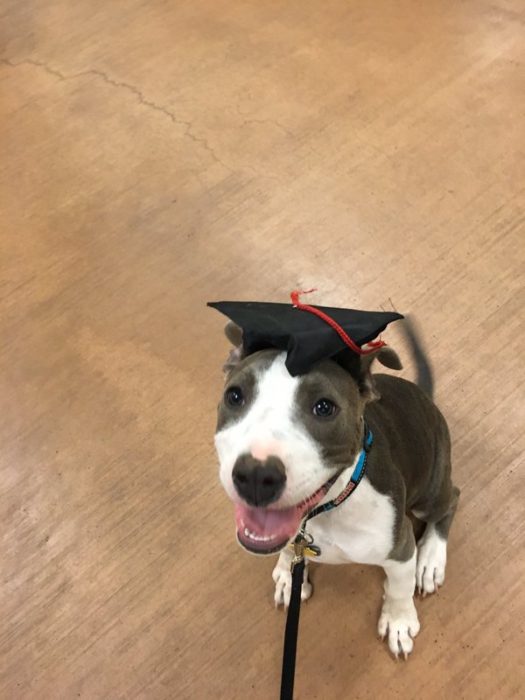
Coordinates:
column 264, row 530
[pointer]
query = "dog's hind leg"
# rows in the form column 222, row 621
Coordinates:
column 432, row 547
column 282, row 577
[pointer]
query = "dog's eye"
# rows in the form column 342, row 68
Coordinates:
column 234, row 397
column 324, row 408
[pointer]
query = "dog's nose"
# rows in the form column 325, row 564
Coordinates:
column 259, row 483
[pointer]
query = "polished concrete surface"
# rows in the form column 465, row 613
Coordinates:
column 155, row 155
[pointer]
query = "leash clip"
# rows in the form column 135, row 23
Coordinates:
column 299, row 545
column 303, row 545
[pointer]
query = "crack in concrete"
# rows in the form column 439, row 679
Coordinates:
column 273, row 122
column 188, row 129
column 31, row 62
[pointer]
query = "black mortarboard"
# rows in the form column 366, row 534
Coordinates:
column 308, row 334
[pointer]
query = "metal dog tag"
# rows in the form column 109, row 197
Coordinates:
column 312, row 550
column 303, row 546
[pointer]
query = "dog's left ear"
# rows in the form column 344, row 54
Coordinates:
column 365, row 381
column 234, row 335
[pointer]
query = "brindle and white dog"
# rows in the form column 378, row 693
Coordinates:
column 280, row 439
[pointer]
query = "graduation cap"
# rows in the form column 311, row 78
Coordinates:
column 307, row 333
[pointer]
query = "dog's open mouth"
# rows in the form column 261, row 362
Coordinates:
column 265, row 531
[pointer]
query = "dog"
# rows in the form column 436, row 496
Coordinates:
column 282, row 440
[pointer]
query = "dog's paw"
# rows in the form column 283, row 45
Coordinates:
column 399, row 622
column 283, row 586
column 431, row 563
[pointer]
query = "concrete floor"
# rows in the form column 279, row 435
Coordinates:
column 155, row 155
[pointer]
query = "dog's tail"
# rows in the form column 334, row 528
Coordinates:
column 425, row 376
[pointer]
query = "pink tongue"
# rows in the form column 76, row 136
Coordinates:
column 277, row 524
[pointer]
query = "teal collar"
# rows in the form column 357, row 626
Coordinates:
column 357, row 475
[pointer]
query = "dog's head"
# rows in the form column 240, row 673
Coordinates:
column 281, row 439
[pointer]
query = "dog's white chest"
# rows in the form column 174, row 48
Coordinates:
column 360, row 530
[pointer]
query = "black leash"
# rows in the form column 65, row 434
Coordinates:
column 303, row 545
column 290, row 633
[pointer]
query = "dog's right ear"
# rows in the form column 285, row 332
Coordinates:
column 234, row 335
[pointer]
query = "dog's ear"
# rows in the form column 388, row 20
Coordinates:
column 388, row 357
column 234, row 335
column 365, row 380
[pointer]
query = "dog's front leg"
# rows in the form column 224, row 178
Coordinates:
column 282, row 577
column 399, row 616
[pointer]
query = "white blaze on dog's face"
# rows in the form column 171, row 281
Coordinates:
column 280, row 439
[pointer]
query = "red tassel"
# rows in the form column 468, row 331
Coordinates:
column 371, row 347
